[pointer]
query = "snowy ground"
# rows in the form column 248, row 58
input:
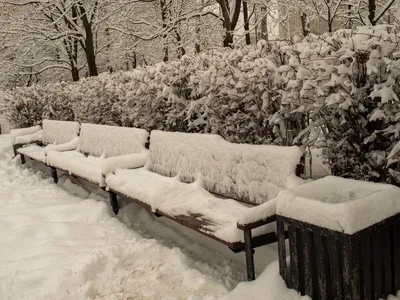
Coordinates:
column 63, row 242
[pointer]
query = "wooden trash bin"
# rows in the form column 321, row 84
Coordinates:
column 343, row 239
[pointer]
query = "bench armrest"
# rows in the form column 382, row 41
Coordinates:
column 129, row 161
column 29, row 138
column 23, row 131
column 71, row 145
column 258, row 215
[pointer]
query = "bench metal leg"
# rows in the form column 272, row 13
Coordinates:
column 54, row 174
column 114, row 202
column 15, row 150
column 249, row 251
column 22, row 159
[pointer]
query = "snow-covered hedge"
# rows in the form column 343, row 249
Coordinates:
column 338, row 91
column 28, row 106
column 354, row 89
column 227, row 92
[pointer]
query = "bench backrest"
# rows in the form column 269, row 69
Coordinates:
column 98, row 140
column 250, row 173
column 59, row 132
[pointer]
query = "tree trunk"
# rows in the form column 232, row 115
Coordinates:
column 74, row 72
column 330, row 21
column 197, row 44
column 90, row 54
column 372, row 11
column 71, row 45
column 164, row 26
column 228, row 39
column 246, row 22
column 89, row 43
column 305, row 25
column 181, row 49
column 264, row 25
column 349, row 23
column 229, row 22
column 134, row 63
column 256, row 23
column 73, row 57
column 30, row 78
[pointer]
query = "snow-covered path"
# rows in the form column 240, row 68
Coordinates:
column 54, row 245
column 57, row 246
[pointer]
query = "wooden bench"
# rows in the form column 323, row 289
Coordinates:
column 100, row 150
column 34, row 142
column 208, row 184
column 19, row 137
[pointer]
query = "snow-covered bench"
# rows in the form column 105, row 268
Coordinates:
column 100, row 150
column 208, row 184
column 23, row 136
column 34, row 142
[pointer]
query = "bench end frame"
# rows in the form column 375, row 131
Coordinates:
column 114, row 202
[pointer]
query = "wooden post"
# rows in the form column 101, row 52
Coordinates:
column 351, row 269
column 294, row 259
column 22, row 159
column 248, row 248
column 387, row 262
column 114, row 202
column 15, row 150
column 321, row 267
column 54, row 174
column 396, row 258
column 367, row 267
column 282, row 248
column 334, row 268
column 377, row 261
column 308, row 268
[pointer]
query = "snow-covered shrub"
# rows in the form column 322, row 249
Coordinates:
column 28, row 106
column 93, row 99
column 157, row 97
column 23, row 107
column 3, row 106
column 336, row 91
column 57, row 102
column 229, row 92
column 232, row 94
column 355, row 106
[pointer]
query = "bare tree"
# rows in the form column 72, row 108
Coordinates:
column 246, row 22
column 64, row 25
column 230, row 11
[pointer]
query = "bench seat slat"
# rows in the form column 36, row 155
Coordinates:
column 185, row 203
column 193, row 222
column 34, row 152
column 78, row 164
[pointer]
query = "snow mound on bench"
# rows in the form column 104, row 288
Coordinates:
column 34, row 151
column 77, row 164
column 255, row 173
column 29, row 138
column 340, row 204
column 108, row 141
column 176, row 198
column 23, row 131
column 59, row 132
